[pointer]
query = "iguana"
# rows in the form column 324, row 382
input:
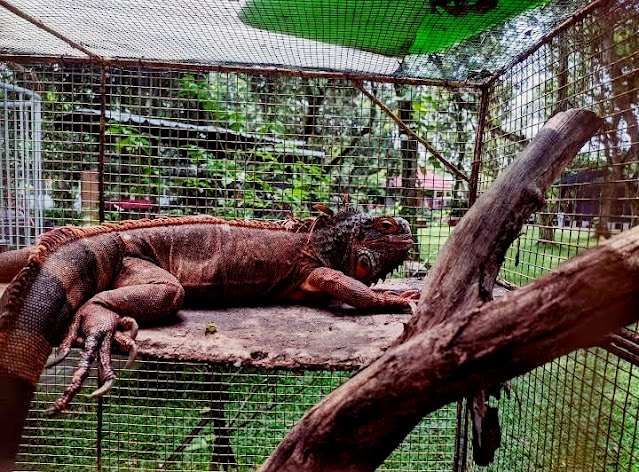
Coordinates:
column 100, row 282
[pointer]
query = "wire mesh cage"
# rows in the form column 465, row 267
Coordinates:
column 575, row 413
column 21, row 203
column 102, row 120
column 198, row 416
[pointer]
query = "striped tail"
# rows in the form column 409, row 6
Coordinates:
column 64, row 270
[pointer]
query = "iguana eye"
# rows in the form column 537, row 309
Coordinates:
column 386, row 225
column 364, row 266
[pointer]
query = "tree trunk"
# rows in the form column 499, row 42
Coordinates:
column 314, row 103
column 622, row 98
column 547, row 226
column 409, row 165
column 453, row 346
column 547, row 218
column 467, row 265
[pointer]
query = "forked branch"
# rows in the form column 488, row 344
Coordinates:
column 459, row 342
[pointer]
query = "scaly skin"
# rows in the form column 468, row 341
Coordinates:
column 98, row 283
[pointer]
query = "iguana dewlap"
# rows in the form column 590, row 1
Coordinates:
column 98, row 282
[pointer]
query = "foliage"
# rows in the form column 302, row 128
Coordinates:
column 129, row 140
column 458, row 207
column 209, row 96
column 324, row 142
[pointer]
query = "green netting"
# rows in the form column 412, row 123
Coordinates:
column 393, row 28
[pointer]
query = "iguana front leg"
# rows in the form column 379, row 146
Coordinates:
column 142, row 291
column 340, row 286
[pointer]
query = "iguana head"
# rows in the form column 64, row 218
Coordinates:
column 363, row 246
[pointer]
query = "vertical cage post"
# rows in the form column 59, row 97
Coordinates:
column 473, row 187
column 98, row 439
column 461, row 435
column 38, row 178
column 102, row 143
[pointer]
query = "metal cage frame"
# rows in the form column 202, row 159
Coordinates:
column 579, row 412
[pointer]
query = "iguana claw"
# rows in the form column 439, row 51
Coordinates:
column 132, row 326
column 102, row 390
column 127, row 342
column 65, row 346
column 133, row 354
column 61, row 355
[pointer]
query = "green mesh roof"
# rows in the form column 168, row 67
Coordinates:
column 430, row 39
column 393, row 28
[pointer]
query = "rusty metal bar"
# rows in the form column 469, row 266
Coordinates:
column 578, row 16
column 102, row 143
column 40, row 25
column 406, row 129
column 473, row 186
column 239, row 68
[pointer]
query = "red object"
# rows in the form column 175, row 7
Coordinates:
column 139, row 204
column 426, row 180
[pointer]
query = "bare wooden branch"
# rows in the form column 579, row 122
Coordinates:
column 406, row 129
column 453, row 346
column 466, row 267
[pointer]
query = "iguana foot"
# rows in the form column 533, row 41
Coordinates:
column 101, row 330
column 406, row 294
column 405, row 299
column 141, row 291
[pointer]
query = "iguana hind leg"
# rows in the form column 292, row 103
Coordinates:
column 125, row 341
column 142, row 291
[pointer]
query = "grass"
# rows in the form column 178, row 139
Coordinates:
column 527, row 259
column 577, row 413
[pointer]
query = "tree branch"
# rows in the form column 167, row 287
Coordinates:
column 455, row 345
column 513, row 137
column 409, row 132
column 360, row 423
column 347, row 151
column 466, row 267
